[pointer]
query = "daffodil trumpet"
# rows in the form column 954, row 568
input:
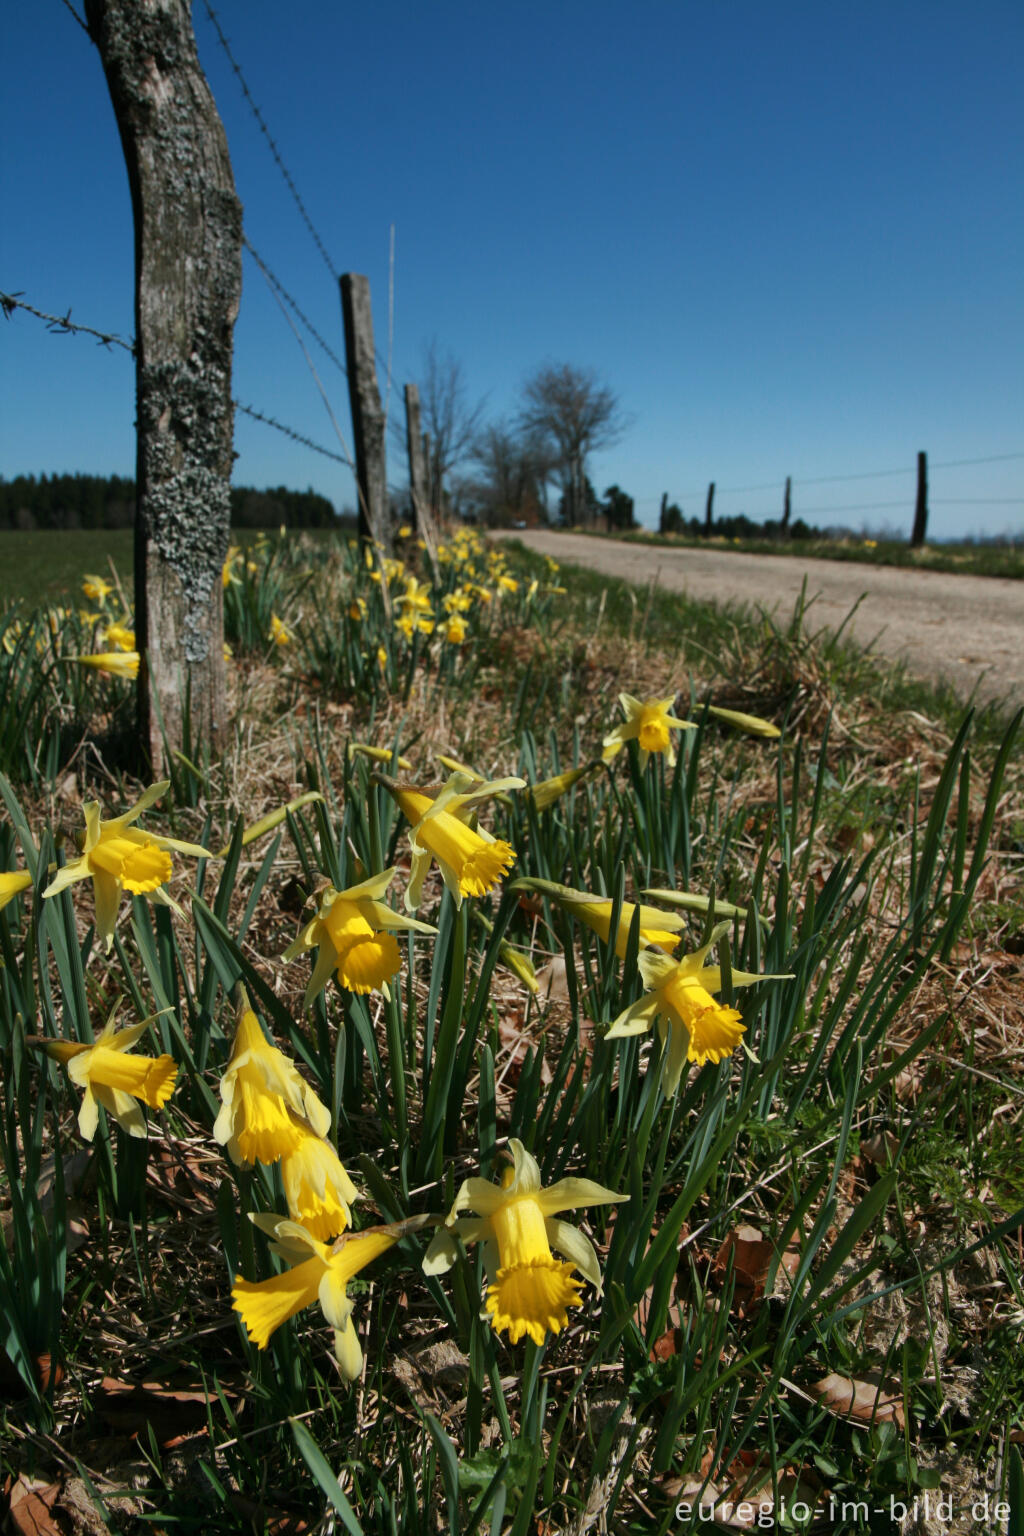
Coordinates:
column 693, row 1025
column 353, row 939
column 529, row 1290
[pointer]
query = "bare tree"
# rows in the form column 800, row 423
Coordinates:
column 575, row 413
column 512, row 469
column 188, row 282
column 449, row 420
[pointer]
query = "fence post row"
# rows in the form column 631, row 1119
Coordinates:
column 188, row 284
column 367, row 412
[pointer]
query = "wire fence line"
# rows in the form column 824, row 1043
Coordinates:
column 282, row 292
column 63, row 325
column 261, row 120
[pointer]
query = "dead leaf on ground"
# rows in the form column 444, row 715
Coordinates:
column 869, row 1402
column 36, row 1508
column 175, row 1414
column 752, row 1256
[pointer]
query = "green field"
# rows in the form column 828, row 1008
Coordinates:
column 44, row 567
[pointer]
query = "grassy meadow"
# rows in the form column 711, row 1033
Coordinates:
column 559, row 1068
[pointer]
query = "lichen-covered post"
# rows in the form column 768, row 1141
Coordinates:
column 188, row 283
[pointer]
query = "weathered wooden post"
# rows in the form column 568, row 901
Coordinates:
column 415, row 442
column 414, row 448
column 709, row 509
column 188, row 284
column 367, row 412
column 921, row 507
column 662, row 515
column 787, row 507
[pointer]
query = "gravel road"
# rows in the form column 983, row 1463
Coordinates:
column 967, row 629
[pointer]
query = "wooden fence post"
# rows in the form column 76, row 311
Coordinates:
column 415, row 442
column 662, row 513
column 367, row 412
column 921, row 507
column 787, row 507
column 709, row 508
column 414, row 448
column 188, row 284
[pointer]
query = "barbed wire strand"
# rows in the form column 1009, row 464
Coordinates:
column 250, row 99
column 298, row 437
column 83, row 24
column 63, row 325
column 317, row 381
column 276, row 283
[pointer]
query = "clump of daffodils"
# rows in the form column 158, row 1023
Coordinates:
column 530, row 1291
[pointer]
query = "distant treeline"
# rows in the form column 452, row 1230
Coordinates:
column 108, row 501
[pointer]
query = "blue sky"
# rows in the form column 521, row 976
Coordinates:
column 790, row 237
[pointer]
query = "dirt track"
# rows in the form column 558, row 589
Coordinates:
column 967, row 629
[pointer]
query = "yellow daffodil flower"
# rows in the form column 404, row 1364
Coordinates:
column 411, row 623
column 117, row 856
column 280, row 634
column 694, row 1026
column 649, row 724
column 120, row 663
column 458, row 601
column 357, row 610
column 455, row 630
column 96, row 589
column 405, row 532
column 529, row 1291
column 471, row 861
column 316, row 1273
column 658, row 930
column 507, row 584
column 351, row 934
column 120, row 637
column 264, row 1100
column 108, row 1076
column 12, row 883
column 318, row 1190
